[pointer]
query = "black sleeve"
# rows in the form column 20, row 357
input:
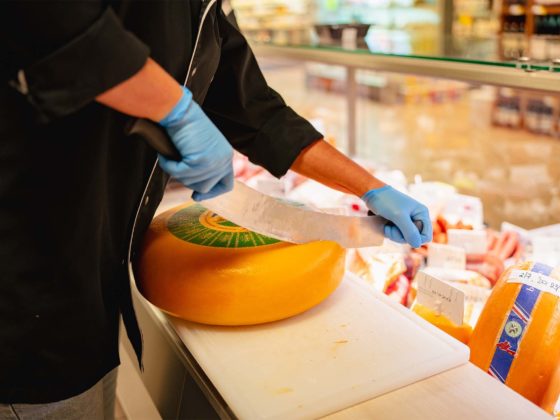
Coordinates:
column 62, row 54
column 251, row 115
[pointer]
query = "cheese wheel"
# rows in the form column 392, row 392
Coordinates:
column 199, row 267
column 517, row 337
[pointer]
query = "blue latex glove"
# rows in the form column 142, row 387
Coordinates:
column 206, row 165
column 402, row 211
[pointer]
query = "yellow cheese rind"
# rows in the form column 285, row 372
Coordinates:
column 235, row 286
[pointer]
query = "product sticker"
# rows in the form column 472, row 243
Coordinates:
column 472, row 241
column 537, row 280
column 519, row 317
column 197, row 225
column 440, row 296
column 446, row 256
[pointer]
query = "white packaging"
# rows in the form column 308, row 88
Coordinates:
column 472, row 241
column 464, row 208
column 446, row 256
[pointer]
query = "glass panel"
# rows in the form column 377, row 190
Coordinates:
column 481, row 32
column 497, row 144
column 502, row 50
column 318, row 97
column 501, row 145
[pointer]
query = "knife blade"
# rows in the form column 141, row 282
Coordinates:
column 288, row 222
column 270, row 216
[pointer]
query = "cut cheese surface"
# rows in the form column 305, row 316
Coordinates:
column 200, row 267
column 517, row 337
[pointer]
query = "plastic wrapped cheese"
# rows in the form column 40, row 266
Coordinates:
column 460, row 332
column 517, row 337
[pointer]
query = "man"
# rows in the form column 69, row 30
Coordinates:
column 76, row 193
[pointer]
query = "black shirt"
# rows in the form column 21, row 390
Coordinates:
column 74, row 189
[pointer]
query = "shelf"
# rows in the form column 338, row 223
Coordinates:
column 452, row 66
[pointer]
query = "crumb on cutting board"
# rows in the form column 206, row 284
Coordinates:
column 283, row 390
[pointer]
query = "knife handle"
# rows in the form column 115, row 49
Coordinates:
column 155, row 135
column 418, row 223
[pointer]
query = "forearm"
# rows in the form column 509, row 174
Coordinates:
column 325, row 164
column 151, row 93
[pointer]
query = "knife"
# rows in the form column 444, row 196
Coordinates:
column 270, row 216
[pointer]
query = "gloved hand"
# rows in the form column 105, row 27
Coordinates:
column 402, row 211
column 206, row 165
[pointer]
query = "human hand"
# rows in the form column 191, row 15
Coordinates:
column 402, row 211
column 206, row 164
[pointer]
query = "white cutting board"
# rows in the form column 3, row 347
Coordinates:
column 354, row 346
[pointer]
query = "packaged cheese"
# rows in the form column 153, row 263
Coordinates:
column 517, row 338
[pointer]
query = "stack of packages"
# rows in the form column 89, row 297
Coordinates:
column 477, row 284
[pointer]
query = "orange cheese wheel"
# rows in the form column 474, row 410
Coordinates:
column 517, row 337
column 199, row 267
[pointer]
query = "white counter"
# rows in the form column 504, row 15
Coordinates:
column 179, row 353
column 463, row 393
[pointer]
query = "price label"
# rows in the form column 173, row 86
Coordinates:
column 446, row 256
column 472, row 241
column 538, row 281
column 439, row 296
column 546, row 249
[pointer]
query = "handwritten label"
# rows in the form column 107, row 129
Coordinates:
column 538, row 281
column 472, row 241
column 546, row 249
column 446, row 256
column 439, row 296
